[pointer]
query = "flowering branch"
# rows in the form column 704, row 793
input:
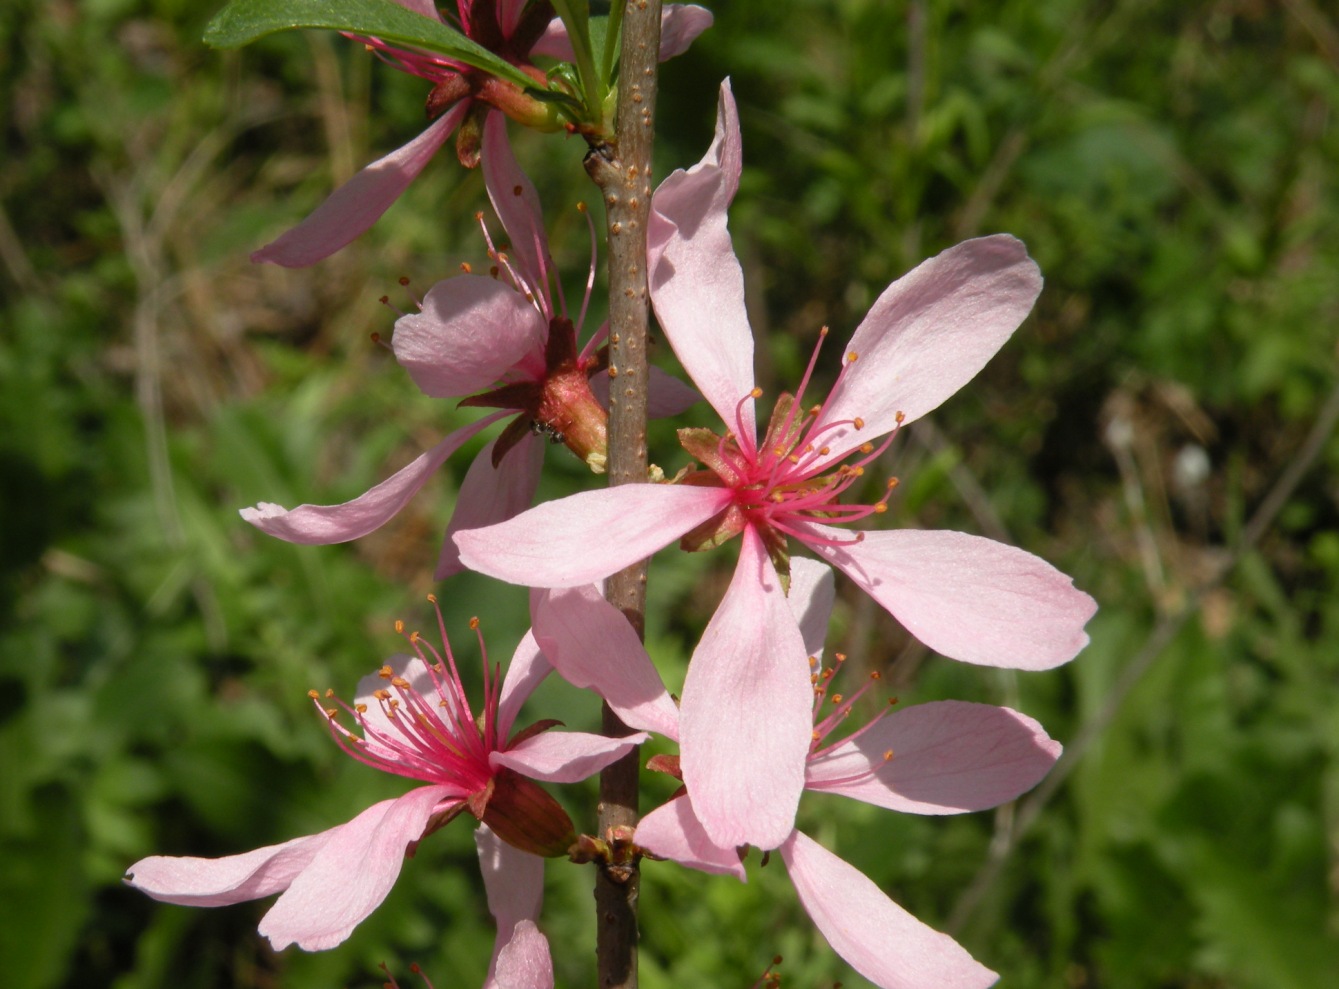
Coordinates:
column 623, row 173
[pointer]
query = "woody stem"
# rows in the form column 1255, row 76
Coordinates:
column 622, row 171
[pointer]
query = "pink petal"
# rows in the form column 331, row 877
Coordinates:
column 428, row 8
column 566, row 756
column 929, row 333
column 313, row 525
column 513, row 879
column 877, row 938
column 680, row 24
column 509, row 15
column 525, row 962
column 489, row 495
column 350, row 875
column 666, row 395
column 588, row 536
column 202, row 882
column 947, row 757
column 517, row 205
column 592, row 646
column 746, row 721
column 357, row 204
column 967, row 597
column 812, row 594
column 525, row 671
column 471, row 332
column 697, row 285
column 672, row 831
column 514, row 885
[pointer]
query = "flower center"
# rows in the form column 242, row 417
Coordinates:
column 423, row 726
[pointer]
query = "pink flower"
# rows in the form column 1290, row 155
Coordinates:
column 415, row 721
column 945, row 757
column 460, row 95
column 510, row 335
column 929, row 333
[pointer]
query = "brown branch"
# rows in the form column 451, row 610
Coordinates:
column 623, row 173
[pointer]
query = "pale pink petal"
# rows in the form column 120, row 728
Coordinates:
column 967, row 597
column 514, row 885
column 697, row 285
column 489, row 495
column 680, row 24
column 318, row 525
column 202, row 882
column 588, row 536
column 746, row 719
column 351, row 873
column 592, row 646
column 877, row 938
column 666, row 395
column 524, row 962
column 412, row 669
column 357, row 204
column 947, row 757
column 672, row 831
column 516, row 203
column 471, row 332
column 929, row 333
column 428, row 8
column 565, row 756
column 527, row 668
column 812, row 594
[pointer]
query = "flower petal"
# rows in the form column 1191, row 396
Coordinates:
column 672, row 831
column 525, row 962
column 967, row 597
column 565, row 756
column 350, row 874
column 358, row 203
column 592, row 646
column 877, row 938
column 929, row 333
column 319, row 525
column 514, row 885
column 680, row 24
column 428, row 8
column 947, row 757
column 812, row 593
column 746, row 720
column 588, row 536
column 471, row 332
column 666, row 395
column 517, row 205
column 697, row 285
column 489, row 495
column 527, row 668
column 203, row 882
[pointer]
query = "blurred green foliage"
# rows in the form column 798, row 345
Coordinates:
column 1171, row 167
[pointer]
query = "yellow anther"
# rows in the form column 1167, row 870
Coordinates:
column 852, row 357
column 432, row 599
column 313, row 694
column 360, row 708
column 466, row 268
column 581, row 207
column 876, row 675
column 836, row 698
column 815, row 410
column 813, row 661
column 400, row 682
column 478, row 216
column 474, row 622
column 892, row 483
column 823, row 451
column 382, row 695
column 866, row 447
column 332, row 713
column 900, row 418
column 858, row 422
column 839, row 657
column 399, row 627
column 329, row 692
column 814, row 735
column 887, row 756
column 880, row 508
column 756, row 393
column 415, row 638
column 822, row 331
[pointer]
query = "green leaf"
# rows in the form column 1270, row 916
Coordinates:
column 243, row 21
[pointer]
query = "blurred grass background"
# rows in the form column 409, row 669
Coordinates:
column 1174, row 168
